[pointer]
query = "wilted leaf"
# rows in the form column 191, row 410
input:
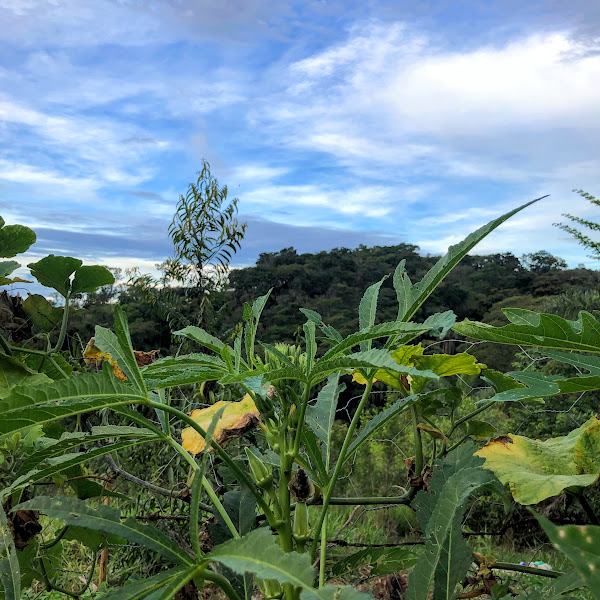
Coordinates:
column 537, row 470
column 435, row 433
column 238, row 417
column 94, row 357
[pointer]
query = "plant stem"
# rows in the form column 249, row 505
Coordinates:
column 300, row 422
column 5, row 345
column 285, row 475
column 63, row 325
column 414, row 414
column 524, row 569
column 206, row 485
column 472, row 414
column 222, row 583
column 323, row 553
column 219, row 506
column 338, row 466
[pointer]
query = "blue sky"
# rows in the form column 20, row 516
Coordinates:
column 334, row 123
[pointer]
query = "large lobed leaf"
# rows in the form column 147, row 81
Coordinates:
column 29, row 405
column 447, row 556
column 537, row 470
column 259, row 552
column 529, row 328
column 108, row 519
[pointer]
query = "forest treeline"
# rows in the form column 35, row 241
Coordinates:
column 332, row 283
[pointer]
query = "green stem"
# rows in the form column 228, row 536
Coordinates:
column 63, row 326
column 222, row 583
column 59, row 536
column 209, row 490
column 39, row 353
column 323, row 554
column 219, row 506
column 414, row 414
column 195, row 517
column 285, row 475
column 300, row 422
column 5, row 345
column 463, row 439
column 241, row 475
column 523, row 569
column 472, row 414
column 338, row 466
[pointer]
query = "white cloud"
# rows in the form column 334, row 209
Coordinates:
column 389, row 94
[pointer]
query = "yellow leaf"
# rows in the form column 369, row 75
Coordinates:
column 94, row 357
column 356, row 376
column 237, row 419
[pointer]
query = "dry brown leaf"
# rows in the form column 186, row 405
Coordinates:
column 237, row 419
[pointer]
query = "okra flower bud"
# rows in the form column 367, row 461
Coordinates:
column 261, row 473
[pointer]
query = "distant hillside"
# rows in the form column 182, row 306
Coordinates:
column 332, row 283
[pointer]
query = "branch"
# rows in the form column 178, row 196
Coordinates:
column 183, row 495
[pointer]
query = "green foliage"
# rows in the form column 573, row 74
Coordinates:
column 10, row 571
column 447, row 556
column 14, row 239
column 582, row 545
column 76, row 419
column 538, row 470
column 107, row 519
column 204, row 230
column 585, row 240
column 55, row 272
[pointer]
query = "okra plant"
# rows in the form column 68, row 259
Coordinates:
column 289, row 396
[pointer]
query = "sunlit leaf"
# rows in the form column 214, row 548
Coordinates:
column 238, row 417
column 446, row 365
column 537, row 470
